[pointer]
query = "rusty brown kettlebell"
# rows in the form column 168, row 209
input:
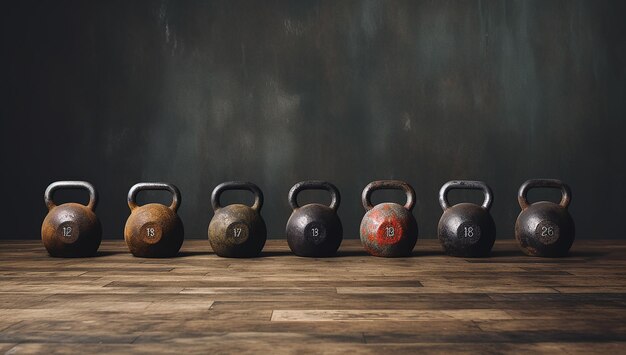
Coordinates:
column 154, row 230
column 544, row 228
column 237, row 231
column 388, row 229
column 466, row 229
column 71, row 229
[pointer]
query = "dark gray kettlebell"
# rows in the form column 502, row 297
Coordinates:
column 466, row 229
column 237, row 231
column 71, row 229
column 314, row 230
column 545, row 228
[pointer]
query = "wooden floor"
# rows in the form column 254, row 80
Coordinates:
column 199, row 303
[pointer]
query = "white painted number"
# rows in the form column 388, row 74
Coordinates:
column 390, row 231
column 315, row 232
column 67, row 231
column 150, row 232
column 469, row 232
column 237, row 232
column 547, row 231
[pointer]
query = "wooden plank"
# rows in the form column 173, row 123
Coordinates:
column 5, row 347
column 385, row 315
column 238, row 346
column 581, row 325
column 445, row 289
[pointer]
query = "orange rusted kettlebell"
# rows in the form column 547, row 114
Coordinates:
column 71, row 229
column 154, row 230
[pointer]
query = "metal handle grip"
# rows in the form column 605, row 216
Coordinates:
column 73, row 185
column 522, row 195
column 314, row 185
column 237, row 185
column 388, row 185
column 465, row 185
column 176, row 197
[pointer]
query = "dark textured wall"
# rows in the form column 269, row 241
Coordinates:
column 196, row 93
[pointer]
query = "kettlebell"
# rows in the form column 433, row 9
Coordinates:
column 544, row 228
column 388, row 229
column 314, row 229
column 237, row 231
column 71, row 229
column 466, row 229
column 154, row 230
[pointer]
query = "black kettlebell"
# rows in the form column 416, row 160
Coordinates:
column 154, row 230
column 466, row 229
column 314, row 229
column 388, row 229
column 545, row 228
column 71, row 229
column 237, row 231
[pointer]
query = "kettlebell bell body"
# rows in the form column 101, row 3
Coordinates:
column 466, row 229
column 388, row 229
column 237, row 231
column 314, row 229
column 545, row 228
column 154, row 230
column 71, row 229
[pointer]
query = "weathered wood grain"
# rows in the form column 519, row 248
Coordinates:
column 281, row 303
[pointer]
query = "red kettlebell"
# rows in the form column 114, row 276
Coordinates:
column 388, row 229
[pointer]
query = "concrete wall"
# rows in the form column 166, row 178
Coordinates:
column 199, row 92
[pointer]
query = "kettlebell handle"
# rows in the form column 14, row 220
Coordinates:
column 237, row 185
column 388, row 185
column 314, row 185
column 132, row 193
column 522, row 195
column 465, row 185
column 72, row 185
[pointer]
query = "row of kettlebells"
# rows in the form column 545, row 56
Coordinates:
column 314, row 230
